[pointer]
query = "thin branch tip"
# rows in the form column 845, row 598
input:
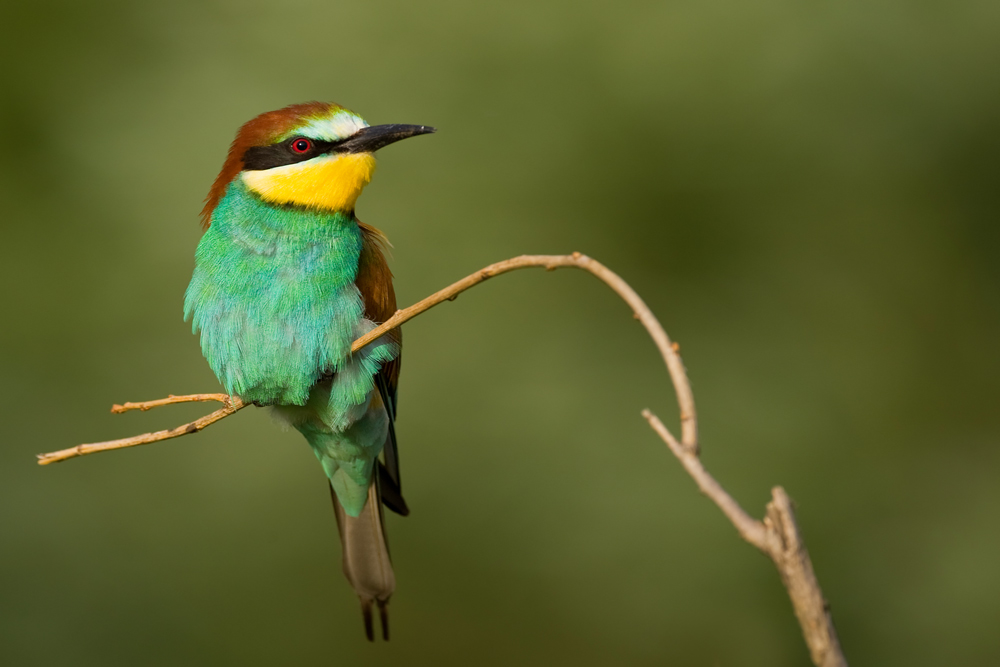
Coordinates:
column 230, row 405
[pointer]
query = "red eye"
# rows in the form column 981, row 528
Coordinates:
column 301, row 145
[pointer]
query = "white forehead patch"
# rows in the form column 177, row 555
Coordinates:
column 334, row 128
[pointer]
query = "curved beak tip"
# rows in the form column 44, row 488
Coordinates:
column 405, row 131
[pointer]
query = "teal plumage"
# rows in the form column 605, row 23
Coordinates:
column 273, row 295
column 285, row 279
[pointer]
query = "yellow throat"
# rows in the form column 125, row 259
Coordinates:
column 332, row 182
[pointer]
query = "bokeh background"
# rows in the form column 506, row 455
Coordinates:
column 806, row 194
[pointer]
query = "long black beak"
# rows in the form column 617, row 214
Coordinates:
column 370, row 139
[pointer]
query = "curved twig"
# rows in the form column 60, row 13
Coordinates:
column 685, row 399
column 225, row 399
column 230, row 405
column 777, row 536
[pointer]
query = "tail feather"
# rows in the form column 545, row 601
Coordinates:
column 367, row 565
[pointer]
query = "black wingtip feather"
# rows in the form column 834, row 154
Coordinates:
column 390, row 493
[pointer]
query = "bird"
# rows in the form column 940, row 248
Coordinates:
column 286, row 277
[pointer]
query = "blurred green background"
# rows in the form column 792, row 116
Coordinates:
column 806, row 194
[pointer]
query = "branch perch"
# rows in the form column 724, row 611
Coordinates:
column 777, row 535
column 230, row 405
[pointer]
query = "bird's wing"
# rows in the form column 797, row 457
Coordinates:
column 374, row 281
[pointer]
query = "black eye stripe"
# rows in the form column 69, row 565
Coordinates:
column 257, row 158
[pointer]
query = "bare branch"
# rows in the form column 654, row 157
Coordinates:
column 231, row 405
column 225, row 399
column 685, row 398
column 682, row 388
column 750, row 529
column 777, row 536
column 789, row 554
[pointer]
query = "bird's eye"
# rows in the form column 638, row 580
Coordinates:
column 301, row 145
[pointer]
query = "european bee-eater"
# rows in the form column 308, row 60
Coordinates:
column 285, row 278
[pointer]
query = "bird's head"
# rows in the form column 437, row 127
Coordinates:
column 317, row 155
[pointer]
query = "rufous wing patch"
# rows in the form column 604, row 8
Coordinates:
column 374, row 281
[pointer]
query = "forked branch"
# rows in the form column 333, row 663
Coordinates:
column 230, row 405
column 777, row 535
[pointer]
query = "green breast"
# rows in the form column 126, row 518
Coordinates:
column 273, row 295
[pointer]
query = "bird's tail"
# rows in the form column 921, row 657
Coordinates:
column 366, row 557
